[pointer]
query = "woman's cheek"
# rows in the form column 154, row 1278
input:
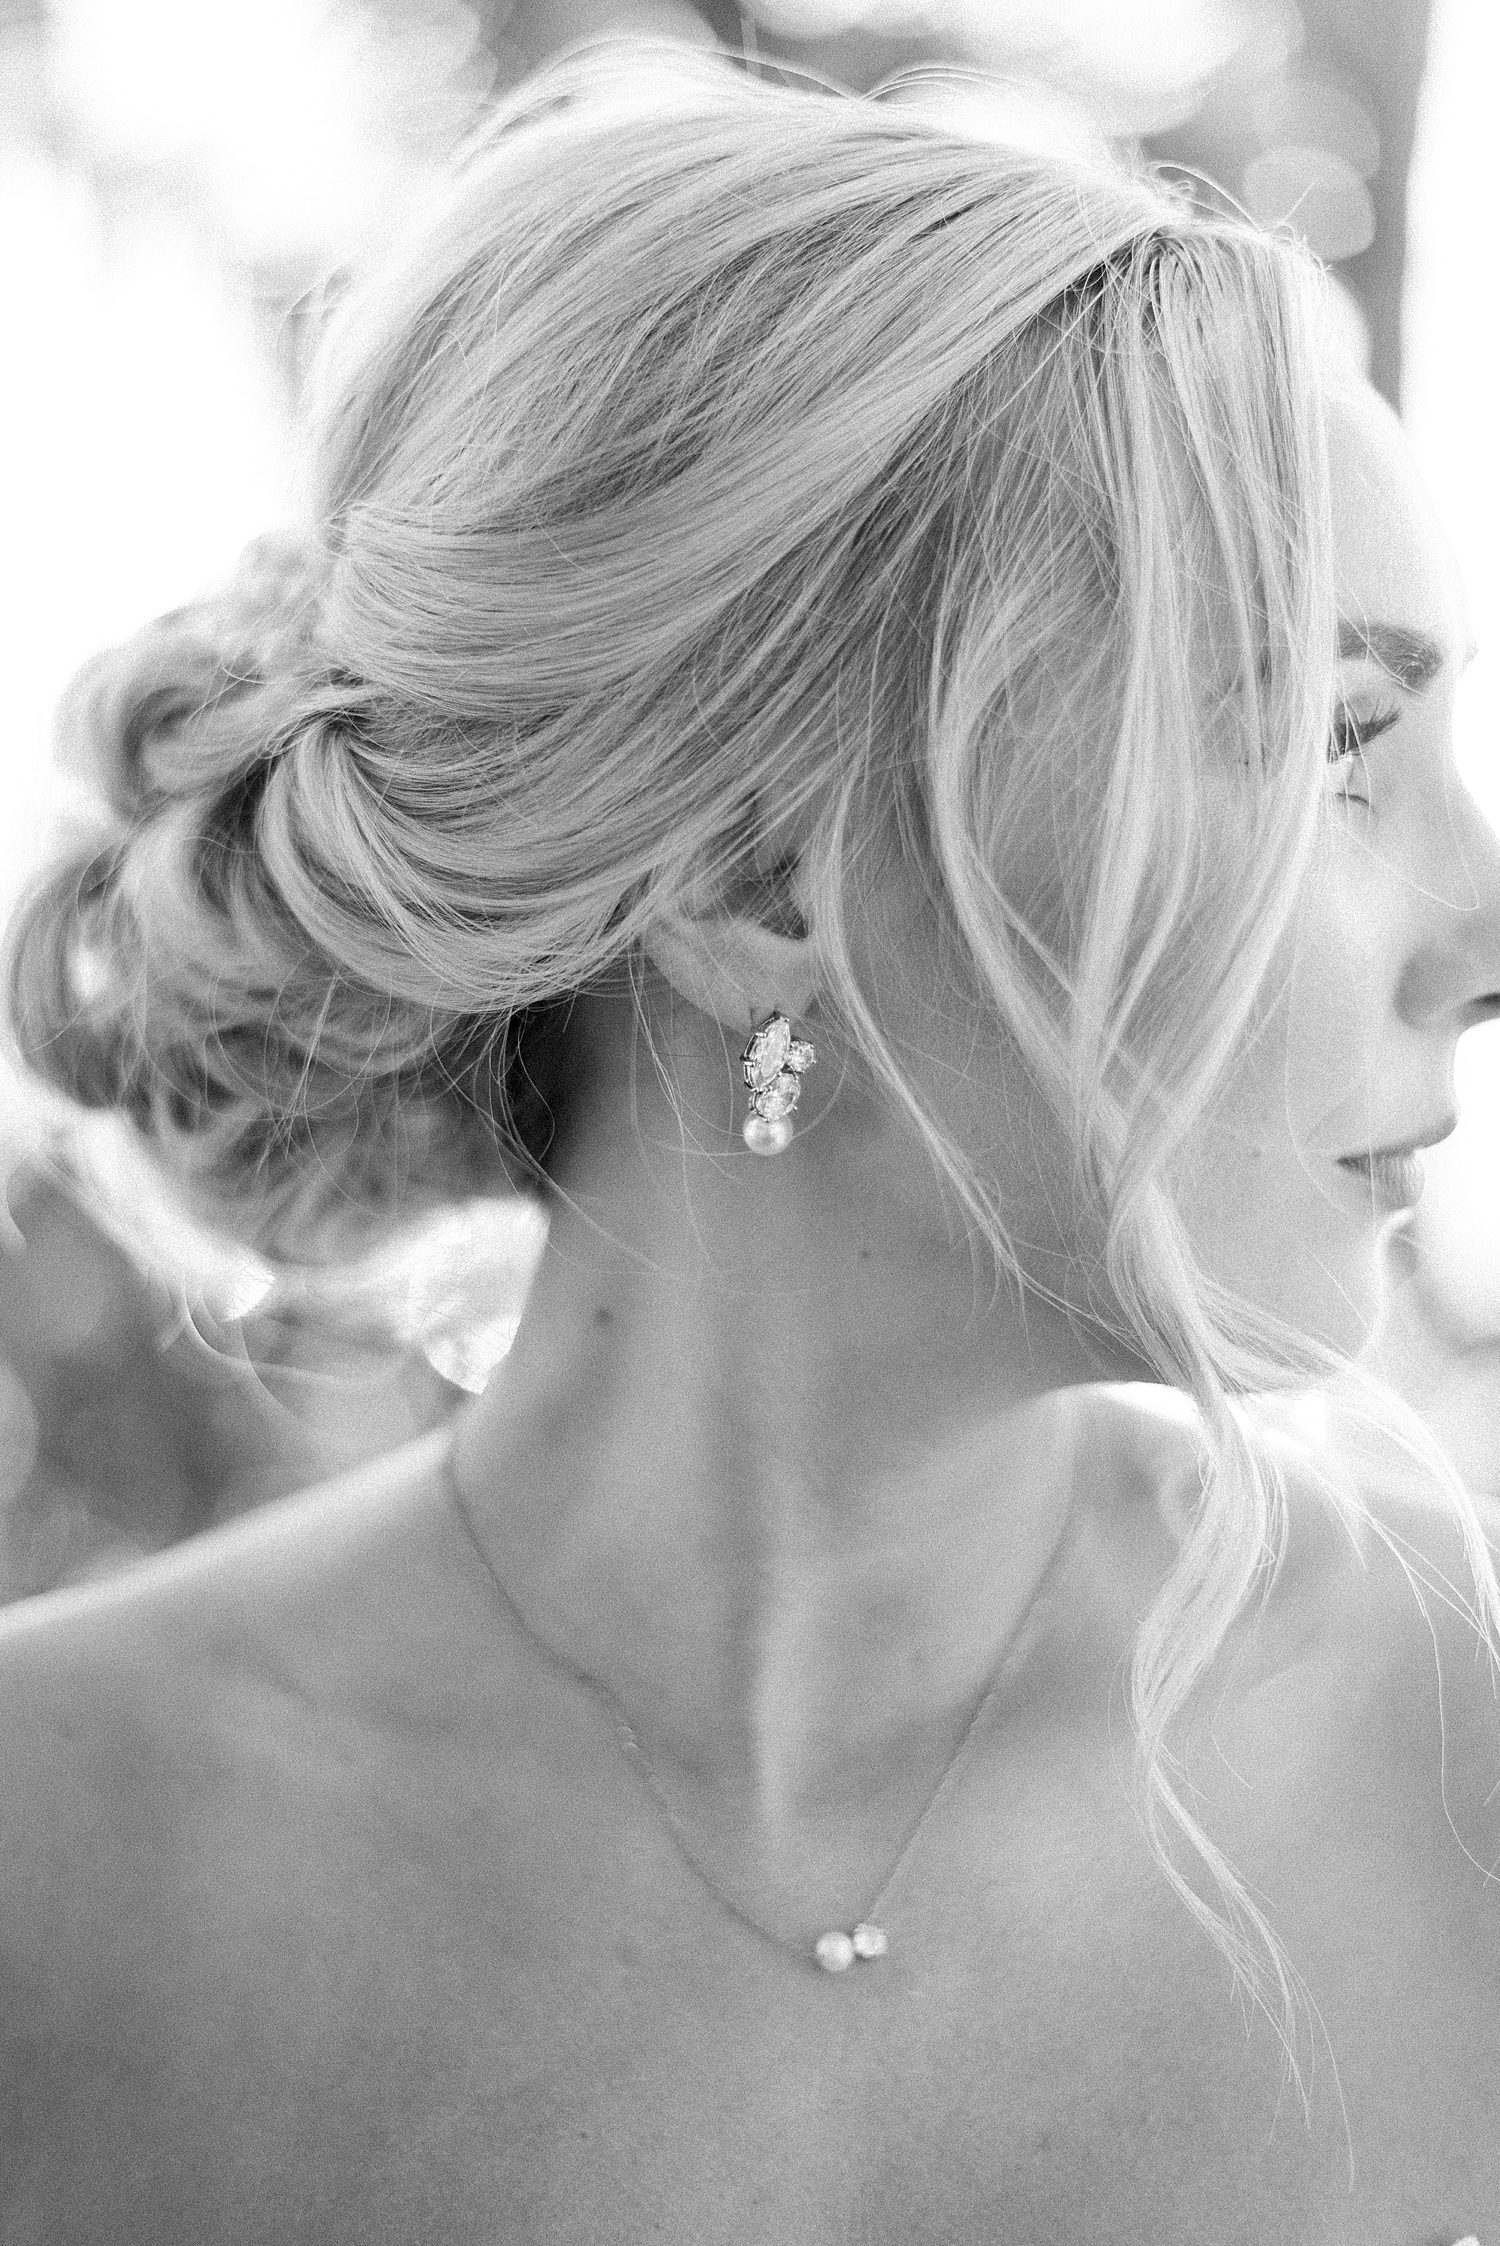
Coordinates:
column 1339, row 1000
column 1270, row 1215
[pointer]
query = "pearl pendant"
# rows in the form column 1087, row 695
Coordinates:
column 767, row 1134
column 836, row 1951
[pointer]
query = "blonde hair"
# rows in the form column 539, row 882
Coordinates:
column 809, row 452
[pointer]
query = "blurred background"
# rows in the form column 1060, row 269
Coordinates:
column 179, row 186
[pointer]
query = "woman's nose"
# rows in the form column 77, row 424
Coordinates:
column 1457, row 973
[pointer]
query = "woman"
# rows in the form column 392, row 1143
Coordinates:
column 796, row 582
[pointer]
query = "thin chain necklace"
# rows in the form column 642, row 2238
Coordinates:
column 838, row 1948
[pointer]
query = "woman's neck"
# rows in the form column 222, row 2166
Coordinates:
column 770, row 1464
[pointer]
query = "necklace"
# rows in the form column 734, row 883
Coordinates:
column 837, row 1949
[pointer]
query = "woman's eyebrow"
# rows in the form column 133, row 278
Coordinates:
column 1413, row 658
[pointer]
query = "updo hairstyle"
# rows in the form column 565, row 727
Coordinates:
column 739, row 445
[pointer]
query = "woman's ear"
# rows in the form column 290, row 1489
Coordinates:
column 742, row 956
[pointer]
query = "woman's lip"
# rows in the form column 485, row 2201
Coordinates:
column 1393, row 1180
column 1433, row 1135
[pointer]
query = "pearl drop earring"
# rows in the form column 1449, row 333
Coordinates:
column 774, row 1063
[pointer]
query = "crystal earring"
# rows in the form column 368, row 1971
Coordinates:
column 774, row 1063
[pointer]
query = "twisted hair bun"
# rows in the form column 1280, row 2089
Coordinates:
column 198, row 966
column 124, row 706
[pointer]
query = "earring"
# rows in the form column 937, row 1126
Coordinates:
column 774, row 1063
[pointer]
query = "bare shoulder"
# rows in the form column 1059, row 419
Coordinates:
column 124, row 1700
column 1377, row 1695
column 1378, row 1592
column 227, row 1782
column 1396, row 1579
column 1345, row 1756
column 1362, row 1687
column 221, row 1598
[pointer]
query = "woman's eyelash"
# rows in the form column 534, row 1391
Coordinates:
column 1354, row 730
